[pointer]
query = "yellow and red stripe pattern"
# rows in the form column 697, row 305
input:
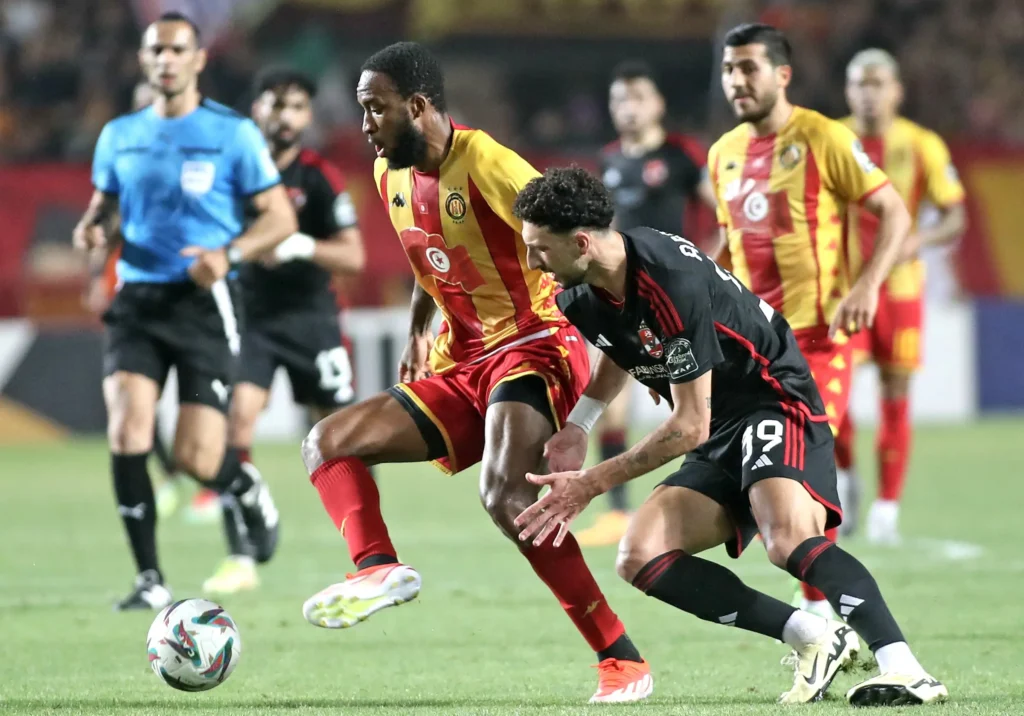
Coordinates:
column 919, row 165
column 783, row 201
column 465, row 247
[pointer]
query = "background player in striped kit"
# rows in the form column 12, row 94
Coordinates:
column 656, row 179
column 785, row 180
column 918, row 163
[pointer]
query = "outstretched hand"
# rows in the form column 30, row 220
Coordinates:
column 569, row 495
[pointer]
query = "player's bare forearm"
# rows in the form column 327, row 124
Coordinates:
column 421, row 311
column 343, row 253
column 672, row 439
column 606, row 381
column 685, row 430
column 893, row 232
column 275, row 222
column 101, row 210
column 951, row 226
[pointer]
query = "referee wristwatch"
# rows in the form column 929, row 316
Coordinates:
column 234, row 255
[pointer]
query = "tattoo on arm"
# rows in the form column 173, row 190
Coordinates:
column 709, row 402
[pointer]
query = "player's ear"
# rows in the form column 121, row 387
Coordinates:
column 783, row 75
column 582, row 239
column 200, row 59
column 417, row 105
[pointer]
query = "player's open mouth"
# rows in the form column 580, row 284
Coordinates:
column 379, row 149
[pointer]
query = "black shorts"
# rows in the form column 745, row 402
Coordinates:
column 309, row 346
column 153, row 326
column 771, row 441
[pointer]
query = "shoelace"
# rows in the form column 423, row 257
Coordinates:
column 792, row 660
column 614, row 674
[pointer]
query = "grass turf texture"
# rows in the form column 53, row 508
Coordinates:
column 485, row 637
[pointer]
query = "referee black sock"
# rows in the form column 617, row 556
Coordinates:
column 711, row 592
column 850, row 588
column 232, row 479
column 137, row 507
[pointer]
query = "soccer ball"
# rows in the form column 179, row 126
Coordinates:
column 193, row 645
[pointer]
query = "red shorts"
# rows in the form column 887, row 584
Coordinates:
column 894, row 341
column 831, row 363
column 456, row 400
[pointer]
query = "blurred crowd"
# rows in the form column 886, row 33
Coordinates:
column 67, row 66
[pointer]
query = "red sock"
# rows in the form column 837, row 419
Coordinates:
column 814, row 594
column 351, row 499
column 244, row 454
column 844, row 443
column 893, row 448
column 568, row 577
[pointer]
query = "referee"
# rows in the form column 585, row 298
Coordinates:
column 176, row 177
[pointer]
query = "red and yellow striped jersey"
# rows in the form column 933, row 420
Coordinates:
column 783, row 202
column 917, row 162
column 466, row 247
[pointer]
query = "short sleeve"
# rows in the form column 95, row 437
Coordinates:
column 104, row 174
column 942, row 182
column 254, row 168
column 693, row 349
column 847, row 169
column 339, row 211
column 711, row 172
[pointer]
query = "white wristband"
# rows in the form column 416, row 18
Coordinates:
column 296, row 246
column 586, row 413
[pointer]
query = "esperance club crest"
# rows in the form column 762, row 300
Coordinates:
column 650, row 341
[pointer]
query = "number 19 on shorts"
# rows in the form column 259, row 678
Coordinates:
column 769, row 434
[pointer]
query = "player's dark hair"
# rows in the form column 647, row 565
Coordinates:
column 776, row 46
column 175, row 16
column 564, row 199
column 629, row 70
column 413, row 69
column 283, row 77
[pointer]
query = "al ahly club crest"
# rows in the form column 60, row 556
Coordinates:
column 650, row 341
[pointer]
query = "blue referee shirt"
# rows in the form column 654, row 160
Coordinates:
column 181, row 181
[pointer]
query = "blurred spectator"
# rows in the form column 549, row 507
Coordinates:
column 66, row 66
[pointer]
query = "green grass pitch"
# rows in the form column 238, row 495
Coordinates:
column 485, row 637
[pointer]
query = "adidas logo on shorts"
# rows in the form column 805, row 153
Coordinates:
column 762, row 461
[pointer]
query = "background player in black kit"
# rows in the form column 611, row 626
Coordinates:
column 291, row 313
column 656, row 179
column 747, row 414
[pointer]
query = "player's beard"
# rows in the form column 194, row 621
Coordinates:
column 762, row 110
column 410, row 146
column 575, row 275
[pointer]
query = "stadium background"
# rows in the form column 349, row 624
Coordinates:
column 534, row 74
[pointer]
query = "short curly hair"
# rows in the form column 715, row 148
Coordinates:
column 413, row 69
column 564, row 199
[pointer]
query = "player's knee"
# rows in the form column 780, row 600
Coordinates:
column 129, row 432
column 780, row 542
column 199, row 460
column 504, row 500
column 635, row 551
column 344, row 434
column 497, row 500
column 312, row 455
